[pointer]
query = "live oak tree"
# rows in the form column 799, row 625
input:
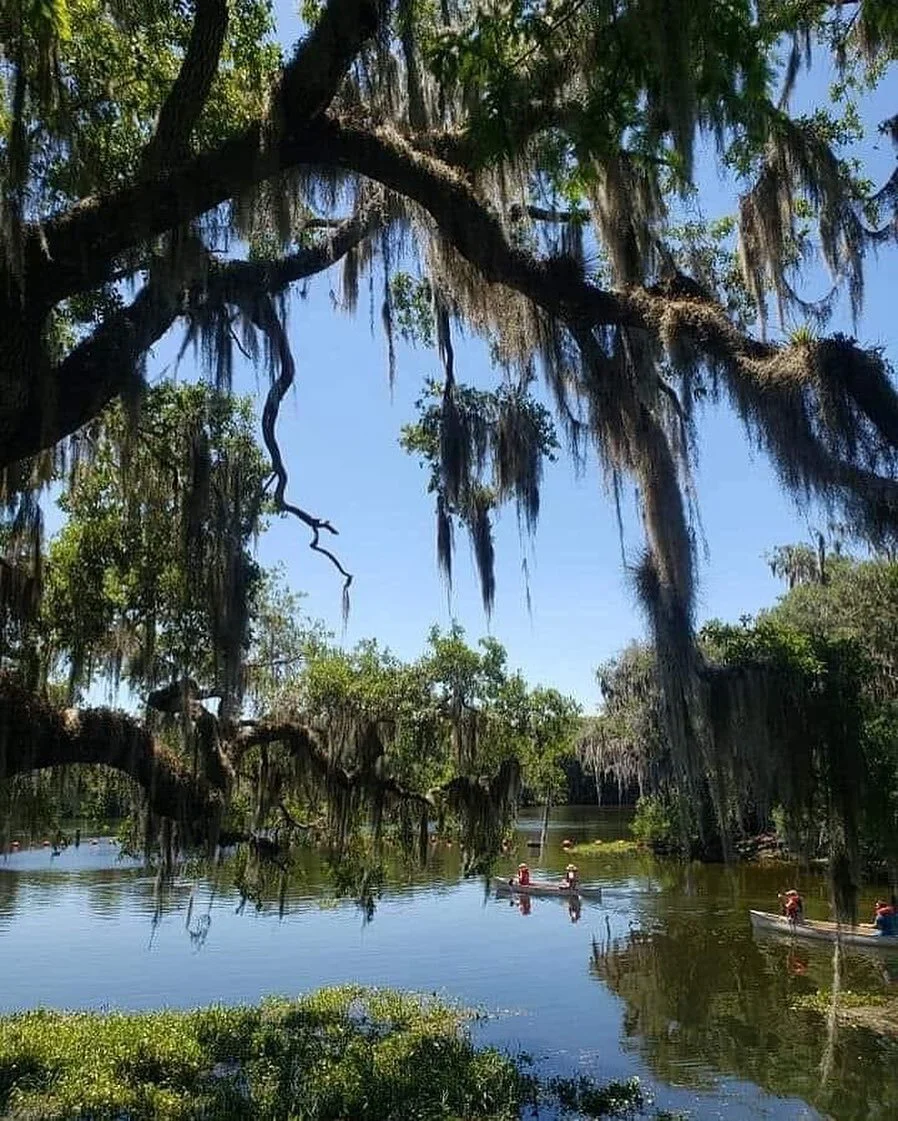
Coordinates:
column 806, row 693
column 164, row 165
column 156, row 547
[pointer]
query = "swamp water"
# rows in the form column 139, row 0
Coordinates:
column 661, row 978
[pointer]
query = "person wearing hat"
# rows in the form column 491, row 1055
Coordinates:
column 885, row 918
column 523, row 875
column 793, row 905
column 572, row 877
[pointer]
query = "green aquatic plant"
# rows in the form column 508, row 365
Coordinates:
column 368, row 1054
column 605, row 848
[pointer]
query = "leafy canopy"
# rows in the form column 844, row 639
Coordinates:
column 526, row 170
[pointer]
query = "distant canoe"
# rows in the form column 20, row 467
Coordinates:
column 556, row 891
column 863, row 934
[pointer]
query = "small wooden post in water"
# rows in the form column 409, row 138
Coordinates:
column 545, row 829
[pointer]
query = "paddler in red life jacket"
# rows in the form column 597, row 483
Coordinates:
column 793, row 905
column 885, row 918
column 523, row 875
column 572, row 877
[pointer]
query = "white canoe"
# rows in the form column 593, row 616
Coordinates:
column 863, row 934
column 557, row 891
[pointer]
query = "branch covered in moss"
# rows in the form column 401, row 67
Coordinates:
column 34, row 735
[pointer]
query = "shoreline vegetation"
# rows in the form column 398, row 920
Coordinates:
column 369, row 1054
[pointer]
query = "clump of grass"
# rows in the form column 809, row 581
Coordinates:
column 822, row 1000
column 606, row 848
column 345, row 1052
column 874, row 1012
column 368, row 1054
column 582, row 1096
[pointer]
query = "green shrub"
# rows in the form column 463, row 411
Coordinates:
column 653, row 824
column 368, row 1054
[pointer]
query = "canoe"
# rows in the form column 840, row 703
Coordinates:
column 512, row 887
column 864, row 934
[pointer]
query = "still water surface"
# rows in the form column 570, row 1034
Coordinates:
column 661, row 979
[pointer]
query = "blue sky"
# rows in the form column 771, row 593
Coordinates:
column 339, row 434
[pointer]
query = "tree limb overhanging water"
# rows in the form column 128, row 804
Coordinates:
column 188, row 174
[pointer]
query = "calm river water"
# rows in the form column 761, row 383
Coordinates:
column 661, row 979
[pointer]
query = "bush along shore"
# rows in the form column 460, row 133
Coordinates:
column 339, row 1053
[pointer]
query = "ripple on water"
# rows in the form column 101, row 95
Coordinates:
column 661, row 978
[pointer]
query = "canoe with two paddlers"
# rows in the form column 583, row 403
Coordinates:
column 864, row 934
column 558, row 891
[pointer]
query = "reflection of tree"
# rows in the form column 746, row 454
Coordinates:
column 700, row 995
column 104, row 892
column 9, row 889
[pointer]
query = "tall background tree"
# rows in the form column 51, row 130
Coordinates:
column 814, row 736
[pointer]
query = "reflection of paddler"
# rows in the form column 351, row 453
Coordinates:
column 797, row 964
column 573, row 908
column 524, row 904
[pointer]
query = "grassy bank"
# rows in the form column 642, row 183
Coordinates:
column 372, row 1055
column 606, row 848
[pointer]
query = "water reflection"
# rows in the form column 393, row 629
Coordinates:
column 661, row 978
column 703, row 999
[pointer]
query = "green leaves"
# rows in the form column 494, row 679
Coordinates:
column 369, row 1054
column 482, row 449
column 151, row 576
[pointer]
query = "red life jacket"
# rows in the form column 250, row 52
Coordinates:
column 524, row 876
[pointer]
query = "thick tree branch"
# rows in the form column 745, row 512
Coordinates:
column 62, row 399
column 102, row 366
column 541, row 214
column 187, row 97
column 241, row 278
column 303, row 744
column 556, row 285
column 75, row 251
column 66, row 397
column 35, row 735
